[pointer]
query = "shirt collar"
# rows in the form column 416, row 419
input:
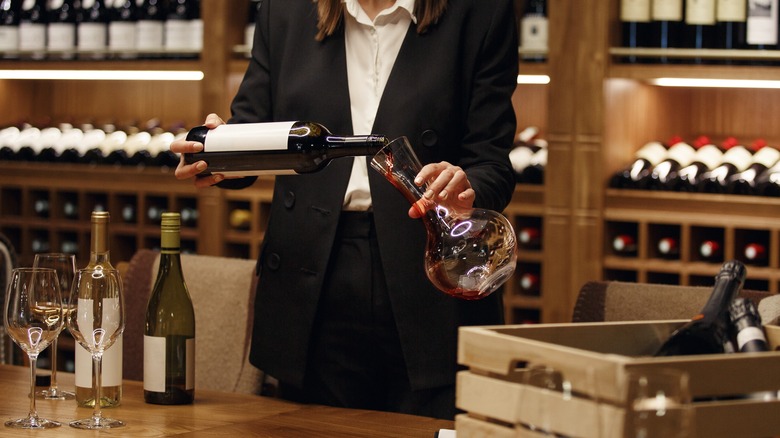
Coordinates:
column 353, row 8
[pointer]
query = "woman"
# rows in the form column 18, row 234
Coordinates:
column 344, row 312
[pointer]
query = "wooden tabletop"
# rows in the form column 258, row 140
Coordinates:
column 212, row 414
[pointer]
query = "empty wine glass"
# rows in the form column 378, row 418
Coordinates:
column 65, row 265
column 33, row 319
column 96, row 322
column 658, row 404
column 540, row 412
column 469, row 253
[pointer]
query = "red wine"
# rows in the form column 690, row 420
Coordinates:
column 276, row 148
column 708, row 332
column 635, row 24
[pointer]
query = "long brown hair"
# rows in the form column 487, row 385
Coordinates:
column 330, row 12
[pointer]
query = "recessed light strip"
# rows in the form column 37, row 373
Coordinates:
column 104, row 75
column 533, row 79
column 715, row 83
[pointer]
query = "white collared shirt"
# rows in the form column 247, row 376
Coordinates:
column 372, row 48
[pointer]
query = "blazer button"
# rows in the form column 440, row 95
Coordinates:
column 289, row 199
column 429, row 138
column 273, row 261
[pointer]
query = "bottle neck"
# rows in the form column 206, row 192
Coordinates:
column 99, row 253
column 342, row 146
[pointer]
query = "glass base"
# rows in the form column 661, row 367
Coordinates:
column 96, row 423
column 32, row 423
column 55, row 394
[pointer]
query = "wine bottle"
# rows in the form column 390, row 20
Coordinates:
column 240, row 218
column 128, row 213
column 92, row 29
column 523, row 150
column 710, row 249
column 32, row 28
column 645, row 159
column 183, row 29
column 754, row 253
column 748, row 331
column 668, row 247
column 762, row 26
column 707, row 157
column 666, row 25
column 534, row 31
column 736, row 159
column 10, row 14
column 44, row 144
column 744, row 183
column 530, row 237
column 41, row 207
column 624, row 245
column 700, row 26
column 189, row 217
column 529, row 283
column 635, row 24
column 154, row 214
column 111, row 390
column 151, row 23
column 40, row 244
column 61, row 30
column 122, row 29
column 275, row 148
column 731, row 24
column 69, row 247
column 708, row 332
column 678, row 156
column 768, row 182
column 9, row 139
column 169, row 336
column 68, row 147
column 70, row 209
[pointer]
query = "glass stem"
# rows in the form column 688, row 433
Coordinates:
column 53, row 382
column 97, row 383
column 33, row 366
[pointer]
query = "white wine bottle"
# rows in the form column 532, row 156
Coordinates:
column 111, row 391
column 275, row 148
column 169, row 336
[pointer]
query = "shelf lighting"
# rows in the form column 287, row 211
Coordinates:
column 533, row 79
column 715, row 83
column 104, row 75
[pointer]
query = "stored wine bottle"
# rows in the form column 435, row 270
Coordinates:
column 762, row 27
column 624, row 245
column 710, row 250
column 68, row 147
column 731, row 24
column 169, row 336
column 678, row 156
column 707, row 157
column 635, row 24
column 9, row 139
column 768, row 183
column 275, row 148
column 44, row 146
column 111, row 391
column 735, row 159
column 32, row 28
column 92, row 29
column 61, row 31
column 189, row 217
column 645, row 159
column 150, row 30
column 534, row 31
column 523, row 150
column 754, row 253
column 10, row 14
column 668, row 247
column 530, row 237
column 666, row 25
column 708, row 332
column 70, row 209
column 122, row 29
column 41, row 207
column 182, row 38
column 529, row 283
column 700, row 25
column 747, row 328
column 534, row 172
column 745, row 182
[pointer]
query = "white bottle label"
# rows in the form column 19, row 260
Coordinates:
column 653, row 152
column 732, row 10
column 62, row 36
column 739, row 157
column 533, row 32
column 710, row 156
column 767, row 156
column 682, row 153
column 9, row 38
column 700, row 12
column 111, row 366
column 248, row 137
column 635, row 11
column 749, row 334
column 762, row 22
column 32, row 36
column 121, row 35
column 92, row 36
column 667, row 10
column 249, row 35
column 149, row 35
column 178, row 35
column 154, row 363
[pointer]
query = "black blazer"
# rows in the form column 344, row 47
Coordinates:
column 450, row 94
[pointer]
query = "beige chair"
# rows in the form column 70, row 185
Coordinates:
column 623, row 301
column 222, row 291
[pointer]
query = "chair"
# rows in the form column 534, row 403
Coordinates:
column 8, row 261
column 624, row 301
column 222, row 291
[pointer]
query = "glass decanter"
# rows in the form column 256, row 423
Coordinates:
column 469, row 253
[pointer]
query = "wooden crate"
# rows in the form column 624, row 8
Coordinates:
column 595, row 358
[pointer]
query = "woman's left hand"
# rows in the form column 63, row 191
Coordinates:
column 447, row 184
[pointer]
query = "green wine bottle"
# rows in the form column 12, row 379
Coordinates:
column 169, row 337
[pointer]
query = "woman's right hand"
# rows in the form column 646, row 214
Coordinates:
column 186, row 171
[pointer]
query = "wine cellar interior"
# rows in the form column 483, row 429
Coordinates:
column 596, row 111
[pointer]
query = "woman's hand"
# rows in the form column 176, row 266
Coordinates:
column 447, row 184
column 186, row 171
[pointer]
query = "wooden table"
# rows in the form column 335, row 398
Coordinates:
column 213, row 414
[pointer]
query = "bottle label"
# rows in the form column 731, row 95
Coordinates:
column 121, row 35
column 635, row 11
column 248, row 137
column 155, row 366
column 533, row 32
column 149, row 35
column 92, row 36
column 682, row 153
column 32, row 36
column 739, row 157
column 9, row 38
column 180, row 35
column 762, row 22
column 111, row 366
column 62, row 36
column 749, row 334
column 732, row 10
column 700, row 12
column 710, row 156
column 766, row 156
column 653, row 152
column 667, row 10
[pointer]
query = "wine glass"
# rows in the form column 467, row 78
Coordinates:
column 658, row 404
column 33, row 319
column 539, row 412
column 97, row 320
column 65, row 265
